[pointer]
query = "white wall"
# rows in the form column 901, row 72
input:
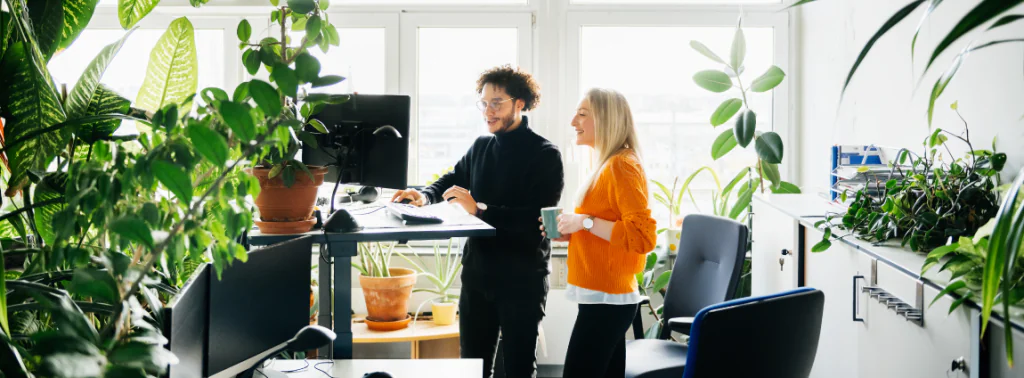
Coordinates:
column 884, row 104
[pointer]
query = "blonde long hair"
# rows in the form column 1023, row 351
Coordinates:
column 614, row 131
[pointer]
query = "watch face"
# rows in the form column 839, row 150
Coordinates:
column 481, row 205
column 588, row 223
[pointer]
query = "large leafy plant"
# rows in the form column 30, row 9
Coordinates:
column 768, row 145
column 104, row 227
column 926, row 202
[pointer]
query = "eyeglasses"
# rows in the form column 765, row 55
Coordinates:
column 494, row 104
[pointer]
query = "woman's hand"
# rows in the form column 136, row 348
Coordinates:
column 563, row 238
column 570, row 223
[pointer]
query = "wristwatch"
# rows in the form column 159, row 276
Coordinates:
column 588, row 223
column 480, row 208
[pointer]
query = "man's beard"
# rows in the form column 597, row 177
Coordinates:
column 507, row 122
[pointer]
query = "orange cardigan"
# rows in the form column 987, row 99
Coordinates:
column 619, row 195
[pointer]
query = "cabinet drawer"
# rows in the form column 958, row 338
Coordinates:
column 773, row 231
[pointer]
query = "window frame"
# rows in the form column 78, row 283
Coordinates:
column 779, row 22
column 409, row 56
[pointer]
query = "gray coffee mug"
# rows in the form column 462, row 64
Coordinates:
column 550, row 217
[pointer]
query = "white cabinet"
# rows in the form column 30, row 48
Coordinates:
column 773, row 232
column 832, row 272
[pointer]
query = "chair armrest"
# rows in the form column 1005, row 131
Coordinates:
column 680, row 324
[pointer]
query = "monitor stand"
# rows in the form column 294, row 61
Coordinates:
column 269, row 373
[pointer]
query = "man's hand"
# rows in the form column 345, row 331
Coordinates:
column 461, row 197
column 413, row 195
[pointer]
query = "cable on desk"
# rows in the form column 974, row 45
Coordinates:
column 375, row 209
column 299, row 369
column 317, row 367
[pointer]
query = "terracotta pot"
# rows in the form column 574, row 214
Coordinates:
column 387, row 298
column 444, row 313
column 278, row 203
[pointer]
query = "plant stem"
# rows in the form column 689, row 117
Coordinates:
column 28, row 207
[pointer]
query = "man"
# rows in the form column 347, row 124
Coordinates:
column 504, row 179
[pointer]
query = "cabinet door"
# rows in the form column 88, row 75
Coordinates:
column 773, row 231
column 832, row 272
column 891, row 346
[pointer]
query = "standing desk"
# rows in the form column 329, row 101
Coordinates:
column 341, row 247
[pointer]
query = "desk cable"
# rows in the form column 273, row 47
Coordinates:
column 317, row 367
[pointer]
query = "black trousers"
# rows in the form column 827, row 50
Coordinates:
column 483, row 314
column 597, row 347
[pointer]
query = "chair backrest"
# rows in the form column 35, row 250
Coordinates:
column 708, row 265
column 768, row 336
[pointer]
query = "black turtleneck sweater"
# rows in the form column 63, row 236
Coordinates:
column 515, row 173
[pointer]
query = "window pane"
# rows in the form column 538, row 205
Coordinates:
column 432, row 2
column 450, row 61
column 671, row 112
column 128, row 70
column 360, row 59
column 637, row 2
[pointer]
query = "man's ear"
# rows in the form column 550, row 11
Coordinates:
column 520, row 104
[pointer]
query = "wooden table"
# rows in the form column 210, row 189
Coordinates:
column 426, row 339
column 469, row 368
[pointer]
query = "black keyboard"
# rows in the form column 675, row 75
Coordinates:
column 412, row 214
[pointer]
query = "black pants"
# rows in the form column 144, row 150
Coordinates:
column 483, row 314
column 597, row 347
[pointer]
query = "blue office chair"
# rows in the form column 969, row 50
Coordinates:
column 768, row 336
column 706, row 272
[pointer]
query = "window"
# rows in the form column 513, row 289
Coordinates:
column 443, row 67
column 644, row 2
column 671, row 112
column 360, row 59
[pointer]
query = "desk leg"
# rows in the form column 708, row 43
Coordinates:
column 343, row 297
column 326, row 303
column 415, row 350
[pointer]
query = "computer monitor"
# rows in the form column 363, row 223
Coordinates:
column 371, row 156
column 258, row 305
column 185, row 323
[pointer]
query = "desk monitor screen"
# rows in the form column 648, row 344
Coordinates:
column 185, row 325
column 259, row 304
column 377, row 160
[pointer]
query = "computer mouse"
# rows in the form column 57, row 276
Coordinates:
column 377, row 374
column 405, row 201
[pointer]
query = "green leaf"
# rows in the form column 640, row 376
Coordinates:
column 725, row 111
column 241, row 92
column 244, row 30
column 175, row 179
column 313, row 25
column 50, row 187
column 1008, row 19
column 785, row 188
column 96, row 284
column 324, row 4
column 769, row 80
column 77, row 15
column 932, row 4
column 724, row 143
column 302, row 6
column 104, row 101
column 662, row 281
column 939, row 252
column 173, row 71
column 742, row 202
column 704, row 50
column 952, row 288
column 651, row 260
column 210, row 144
column 308, row 139
column 769, row 147
column 654, row 331
column 997, row 251
column 746, row 124
column 286, row 80
column 822, row 246
column 130, row 12
column 32, row 106
column 937, row 138
column 237, row 117
column 307, row 68
column 713, row 80
column 984, row 12
column 133, row 228
column 889, row 24
column 266, row 96
column 251, row 60
column 739, row 49
column 319, row 126
column 331, row 33
column 152, row 358
column 771, row 172
column 47, row 22
column 942, row 82
column 81, row 96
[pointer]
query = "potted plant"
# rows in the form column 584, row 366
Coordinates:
column 386, row 289
column 288, row 187
column 447, row 265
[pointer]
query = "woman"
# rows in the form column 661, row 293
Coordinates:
column 609, row 236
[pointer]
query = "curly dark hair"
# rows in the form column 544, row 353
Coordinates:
column 517, row 83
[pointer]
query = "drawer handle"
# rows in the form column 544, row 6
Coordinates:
column 855, row 295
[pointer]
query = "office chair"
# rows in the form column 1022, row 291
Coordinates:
column 706, row 272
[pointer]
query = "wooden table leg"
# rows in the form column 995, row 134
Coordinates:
column 415, row 346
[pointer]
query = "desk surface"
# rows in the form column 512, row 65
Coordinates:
column 422, row 330
column 379, row 226
column 467, row 368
